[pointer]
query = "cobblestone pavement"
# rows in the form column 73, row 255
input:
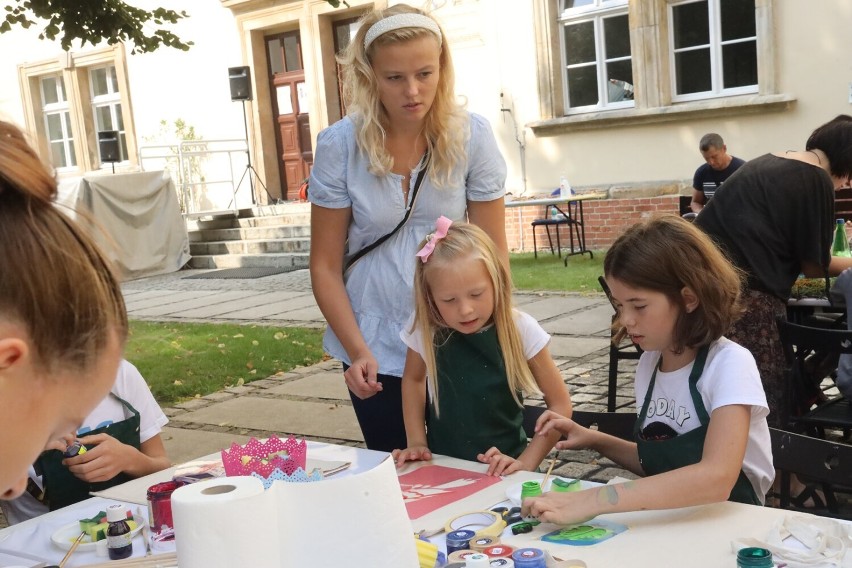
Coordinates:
column 313, row 402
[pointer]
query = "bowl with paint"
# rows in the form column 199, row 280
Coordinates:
column 560, row 484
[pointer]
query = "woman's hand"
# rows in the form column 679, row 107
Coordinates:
column 361, row 376
column 499, row 463
column 413, row 453
column 105, row 460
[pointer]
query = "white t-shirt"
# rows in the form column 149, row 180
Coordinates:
column 730, row 377
column 533, row 336
column 129, row 386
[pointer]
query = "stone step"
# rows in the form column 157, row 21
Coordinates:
column 207, row 261
column 254, row 246
column 296, row 218
column 251, row 233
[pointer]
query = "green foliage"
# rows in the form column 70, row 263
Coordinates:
column 188, row 172
column 95, row 20
column 549, row 273
column 187, row 360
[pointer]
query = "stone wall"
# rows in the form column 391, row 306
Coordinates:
column 605, row 219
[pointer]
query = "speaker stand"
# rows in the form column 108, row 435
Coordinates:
column 250, row 171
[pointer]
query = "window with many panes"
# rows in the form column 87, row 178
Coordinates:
column 713, row 48
column 57, row 121
column 597, row 65
column 106, row 104
column 68, row 100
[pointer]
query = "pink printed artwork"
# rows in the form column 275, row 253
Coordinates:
column 431, row 487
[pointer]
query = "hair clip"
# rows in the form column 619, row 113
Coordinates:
column 441, row 227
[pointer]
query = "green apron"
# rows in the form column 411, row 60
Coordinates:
column 659, row 456
column 63, row 488
column 477, row 407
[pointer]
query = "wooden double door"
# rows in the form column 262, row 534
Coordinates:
column 290, row 104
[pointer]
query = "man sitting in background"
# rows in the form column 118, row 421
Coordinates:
column 709, row 176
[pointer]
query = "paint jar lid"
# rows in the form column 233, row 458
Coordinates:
column 753, row 557
column 116, row 513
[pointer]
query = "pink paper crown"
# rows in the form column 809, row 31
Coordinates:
column 263, row 458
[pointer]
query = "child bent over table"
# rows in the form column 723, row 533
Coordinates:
column 470, row 350
column 701, row 435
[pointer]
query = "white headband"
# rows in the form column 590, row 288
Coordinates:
column 400, row 21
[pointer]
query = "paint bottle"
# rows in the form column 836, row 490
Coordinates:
column 530, row 489
column 118, row 535
column 459, row 540
column 754, row 558
column 529, row 558
column 477, row 560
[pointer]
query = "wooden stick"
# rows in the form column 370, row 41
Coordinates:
column 546, row 475
column 154, row 561
column 72, row 549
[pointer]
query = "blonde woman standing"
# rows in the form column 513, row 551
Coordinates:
column 405, row 154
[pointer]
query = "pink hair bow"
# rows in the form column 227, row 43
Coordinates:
column 441, row 227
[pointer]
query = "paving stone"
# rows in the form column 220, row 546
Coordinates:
column 321, row 385
column 219, row 396
column 193, row 404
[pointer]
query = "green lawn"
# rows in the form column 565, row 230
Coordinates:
column 549, row 273
column 186, row 360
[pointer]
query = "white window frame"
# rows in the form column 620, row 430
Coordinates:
column 111, row 100
column 715, row 47
column 596, row 12
column 62, row 110
column 74, row 68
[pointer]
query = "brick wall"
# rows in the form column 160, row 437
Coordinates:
column 605, row 219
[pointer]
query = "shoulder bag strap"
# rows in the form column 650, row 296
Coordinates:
column 361, row 253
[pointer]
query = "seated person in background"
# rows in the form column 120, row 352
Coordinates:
column 123, row 442
column 841, row 292
column 469, row 349
column 709, row 176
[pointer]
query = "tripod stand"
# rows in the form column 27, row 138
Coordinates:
column 250, row 171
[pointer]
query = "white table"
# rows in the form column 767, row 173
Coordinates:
column 699, row 537
column 572, row 210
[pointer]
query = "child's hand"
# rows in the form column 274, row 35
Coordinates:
column 577, row 436
column 62, row 442
column 499, row 463
column 414, row 453
column 562, row 508
column 104, row 461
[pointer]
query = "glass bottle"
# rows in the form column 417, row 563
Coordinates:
column 118, row 535
column 841, row 243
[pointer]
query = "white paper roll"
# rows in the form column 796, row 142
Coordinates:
column 225, row 522
column 359, row 520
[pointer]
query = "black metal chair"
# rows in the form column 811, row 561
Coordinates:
column 618, row 424
column 628, row 351
column 812, row 460
column 811, row 354
column 547, row 222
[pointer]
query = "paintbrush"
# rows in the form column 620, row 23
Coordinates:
column 72, row 549
column 547, row 475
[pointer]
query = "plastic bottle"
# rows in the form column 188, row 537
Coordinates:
column 841, row 243
column 565, row 189
column 754, row 558
column 118, row 535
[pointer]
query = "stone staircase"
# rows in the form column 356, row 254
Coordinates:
column 267, row 236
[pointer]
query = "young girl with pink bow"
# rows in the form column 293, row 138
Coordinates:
column 470, row 347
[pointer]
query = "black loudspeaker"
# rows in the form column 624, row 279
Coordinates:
column 108, row 146
column 240, row 78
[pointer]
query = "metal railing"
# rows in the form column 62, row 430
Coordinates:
column 208, row 172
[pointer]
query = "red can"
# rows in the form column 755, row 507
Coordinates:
column 160, row 510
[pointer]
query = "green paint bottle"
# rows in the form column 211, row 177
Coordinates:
column 754, row 558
